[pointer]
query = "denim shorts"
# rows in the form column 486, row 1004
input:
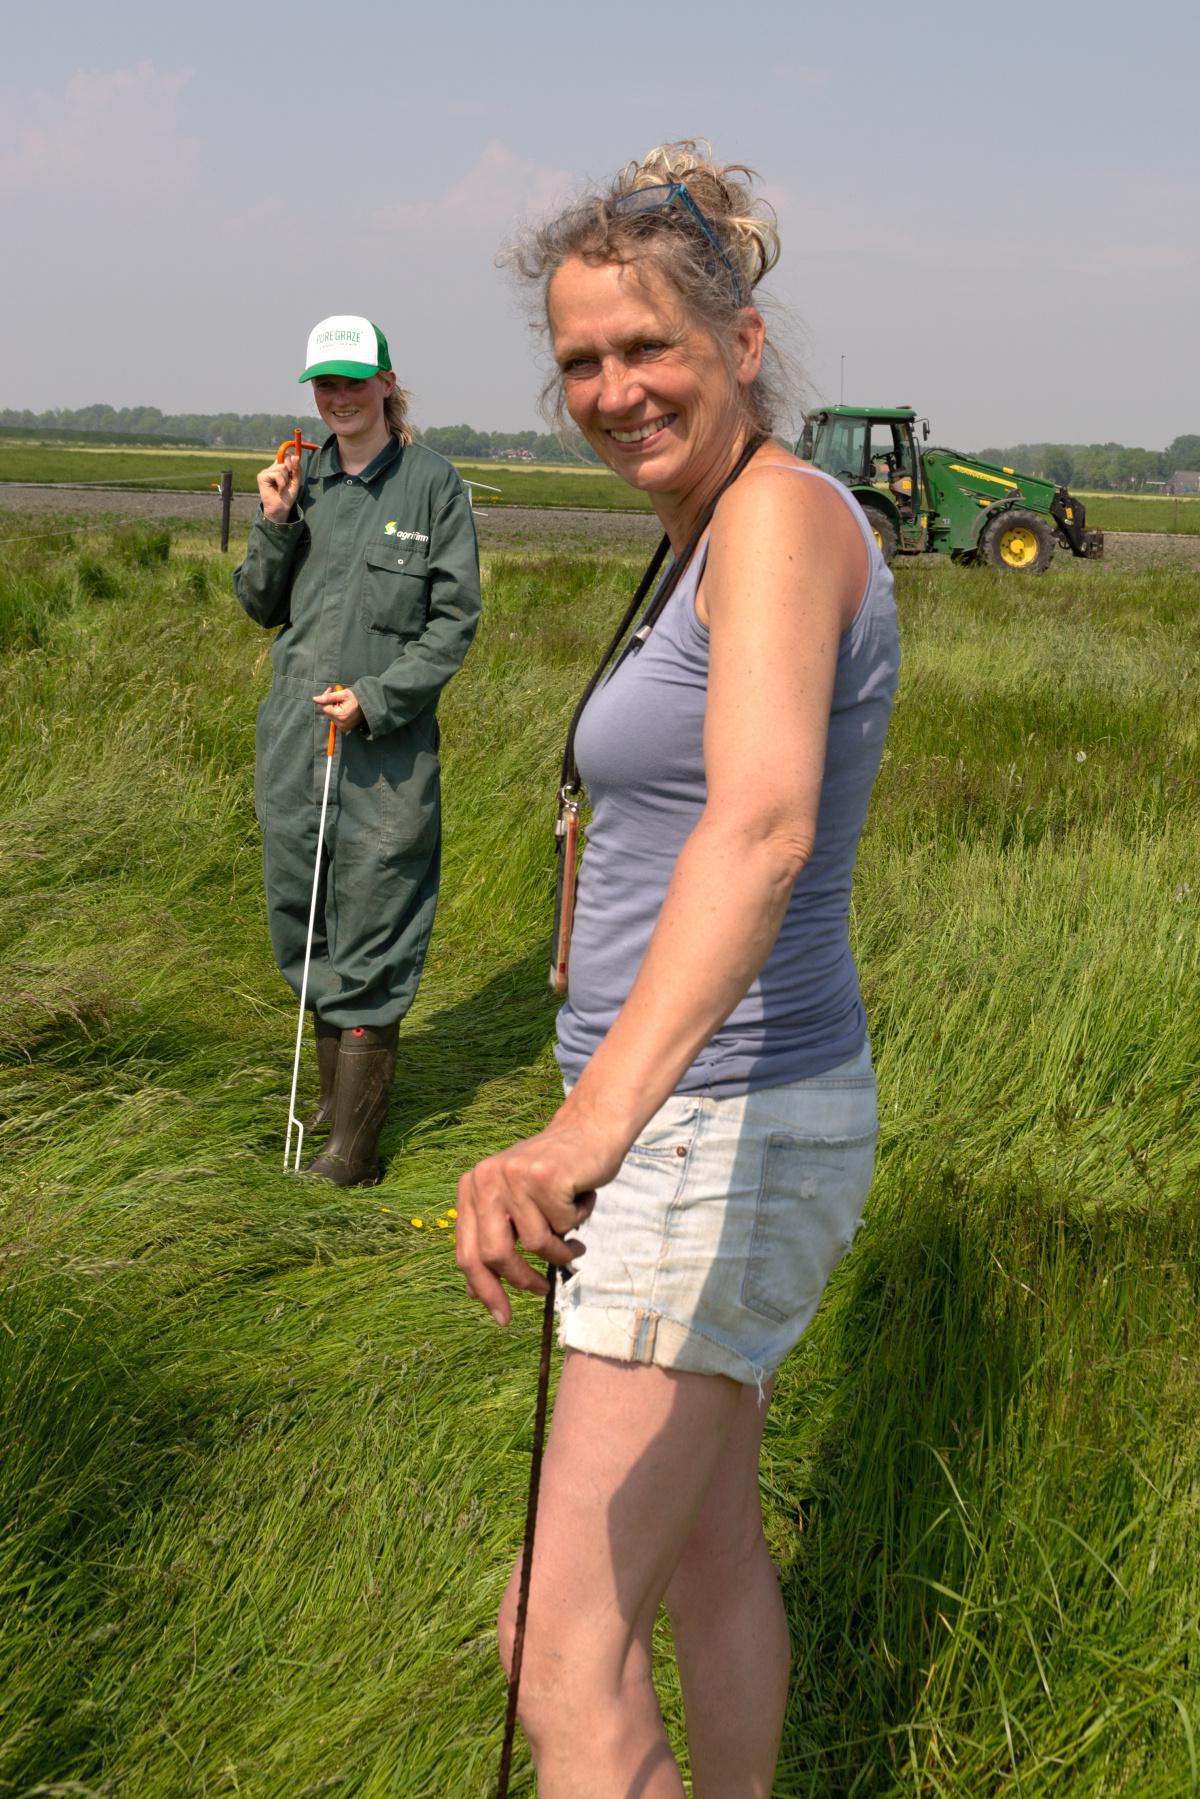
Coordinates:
column 710, row 1250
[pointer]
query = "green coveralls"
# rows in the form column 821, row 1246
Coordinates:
column 373, row 582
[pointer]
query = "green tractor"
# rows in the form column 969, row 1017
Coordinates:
column 919, row 500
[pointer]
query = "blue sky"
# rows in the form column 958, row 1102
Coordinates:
column 992, row 213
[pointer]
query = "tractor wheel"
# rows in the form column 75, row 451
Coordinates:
column 885, row 531
column 1019, row 540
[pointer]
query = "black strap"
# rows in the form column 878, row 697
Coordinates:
column 570, row 774
column 535, row 1482
column 570, row 782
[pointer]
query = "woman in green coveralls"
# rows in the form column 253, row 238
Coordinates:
column 364, row 561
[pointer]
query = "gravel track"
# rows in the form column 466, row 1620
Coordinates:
column 508, row 527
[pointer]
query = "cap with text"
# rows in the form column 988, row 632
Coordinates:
column 346, row 345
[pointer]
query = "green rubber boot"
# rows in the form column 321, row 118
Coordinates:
column 366, row 1066
column 328, row 1038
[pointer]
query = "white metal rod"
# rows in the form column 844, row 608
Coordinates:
column 293, row 1122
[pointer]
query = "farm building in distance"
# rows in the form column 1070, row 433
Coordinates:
column 1184, row 480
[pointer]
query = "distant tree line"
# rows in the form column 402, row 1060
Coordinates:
column 263, row 430
column 234, row 430
column 467, row 444
column 1108, row 467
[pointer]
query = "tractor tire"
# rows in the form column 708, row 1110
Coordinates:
column 886, row 535
column 1022, row 541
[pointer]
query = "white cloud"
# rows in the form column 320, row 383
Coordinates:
column 118, row 126
column 498, row 188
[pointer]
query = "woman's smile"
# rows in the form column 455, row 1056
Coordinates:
column 638, row 434
column 651, row 389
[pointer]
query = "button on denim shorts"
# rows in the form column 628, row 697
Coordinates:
column 711, row 1249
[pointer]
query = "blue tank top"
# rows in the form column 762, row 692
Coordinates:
column 640, row 751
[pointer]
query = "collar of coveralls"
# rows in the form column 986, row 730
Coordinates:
column 326, row 464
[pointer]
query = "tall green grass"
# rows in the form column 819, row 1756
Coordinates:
column 261, row 1463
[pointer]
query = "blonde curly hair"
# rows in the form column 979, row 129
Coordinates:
column 749, row 239
column 713, row 266
column 395, row 414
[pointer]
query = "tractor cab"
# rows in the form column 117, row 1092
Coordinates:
column 877, row 455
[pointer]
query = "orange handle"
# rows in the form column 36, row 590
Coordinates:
column 337, row 688
column 296, row 443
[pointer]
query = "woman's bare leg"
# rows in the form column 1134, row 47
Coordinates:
column 631, row 1453
column 729, row 1626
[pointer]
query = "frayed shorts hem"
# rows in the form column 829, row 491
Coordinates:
column 631, row 1333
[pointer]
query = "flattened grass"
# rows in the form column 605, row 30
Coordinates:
column 261, row 1465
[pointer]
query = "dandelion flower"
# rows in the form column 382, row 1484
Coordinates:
column 443, row 1224
column 418, row 1224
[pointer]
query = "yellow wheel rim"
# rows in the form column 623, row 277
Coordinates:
column 878, row 536
column 1019, row 546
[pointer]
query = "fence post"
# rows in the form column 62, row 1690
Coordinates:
column 226, row 506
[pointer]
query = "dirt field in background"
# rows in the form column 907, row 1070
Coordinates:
column 510, row 527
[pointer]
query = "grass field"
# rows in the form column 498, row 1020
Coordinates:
column 545, row 485
column 178, row 470
column 189, row 470
column 262, row 1465
column 540, row 484
column 1142, row 512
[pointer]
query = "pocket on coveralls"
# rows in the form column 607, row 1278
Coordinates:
column 395, row 598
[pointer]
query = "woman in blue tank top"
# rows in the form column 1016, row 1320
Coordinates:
column 709, row 1164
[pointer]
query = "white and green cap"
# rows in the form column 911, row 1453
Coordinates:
column 346, row 345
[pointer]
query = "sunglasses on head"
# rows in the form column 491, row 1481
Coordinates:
column 660, row 196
